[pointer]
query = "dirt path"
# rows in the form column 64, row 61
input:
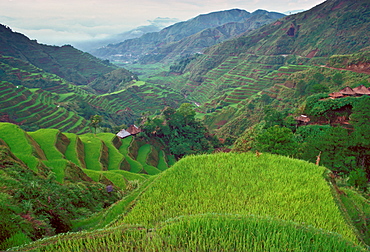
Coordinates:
column 353, row 68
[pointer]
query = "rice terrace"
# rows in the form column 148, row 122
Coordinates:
column 229, row 131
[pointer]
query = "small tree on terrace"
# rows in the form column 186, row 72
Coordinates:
column 95, row 120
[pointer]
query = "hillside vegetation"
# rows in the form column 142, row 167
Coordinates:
column 289, row 100
column 36, row 162
column 208, row 202
column 36, row 99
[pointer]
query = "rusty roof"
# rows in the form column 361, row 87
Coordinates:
column 361, row 90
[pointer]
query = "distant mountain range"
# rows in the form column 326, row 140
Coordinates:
column 155, row 26
column 187, row 37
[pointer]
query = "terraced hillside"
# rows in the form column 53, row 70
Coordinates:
column 235, row 79
column 224, row 202
column 77, row 157
column 242, row 67
column 36, row 108
column 36, row 99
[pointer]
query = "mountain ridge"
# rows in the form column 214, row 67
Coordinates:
column 149, row 43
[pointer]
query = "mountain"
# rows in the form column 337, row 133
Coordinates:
column 67, row 62
column 150, row 43
column 333, row 27
column 198, row 42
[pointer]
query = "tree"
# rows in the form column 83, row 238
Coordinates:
column 277, row 140
column 360, row 138
column 333, row 145
column 180, row 131
column 95, row 121
column 337, row 78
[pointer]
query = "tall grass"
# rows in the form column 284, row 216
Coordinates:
column 243, row 184
column 201, row 233
column 223, row 202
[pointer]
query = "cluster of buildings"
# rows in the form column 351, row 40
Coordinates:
column 347, row 91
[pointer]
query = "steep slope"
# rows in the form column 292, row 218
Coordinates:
column 152, row 43
column 333, row 27
column 67, row 62
column 36, row 99
column 249, row 64
column 198, row 42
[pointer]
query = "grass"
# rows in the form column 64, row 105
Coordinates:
column 57, row 166
column 71, row 151
column 219, row 202
column 136, row 167
column 142, row 157
column 46, row 138
column 358, row 209
column 269, row 186
column 115, row 157
column 162, row 164
column 102, row 219
column 93, row 147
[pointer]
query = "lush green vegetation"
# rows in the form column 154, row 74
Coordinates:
column 180, row 132
column 266, row 186
column 248, row 89
column 58, row 180
column 223, row 202
column 202, row 233
column 33, row 206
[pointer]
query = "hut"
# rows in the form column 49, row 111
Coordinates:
column 347, row 91
column 335, row 95
column 123, row 133
column 133, row 130
column 302, row 120
column 361, row 90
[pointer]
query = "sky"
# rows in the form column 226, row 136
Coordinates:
column 60, row 22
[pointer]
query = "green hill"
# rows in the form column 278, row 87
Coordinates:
column 226, row 202
column 67, row 62
column 71, row 164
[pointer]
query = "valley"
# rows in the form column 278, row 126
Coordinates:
column 252, row 135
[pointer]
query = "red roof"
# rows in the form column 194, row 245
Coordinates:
column 361, row 90
column 133, row 130
column 336, row 95
column 347, row 91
